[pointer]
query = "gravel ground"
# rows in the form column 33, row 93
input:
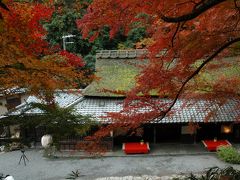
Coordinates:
column 40, row 168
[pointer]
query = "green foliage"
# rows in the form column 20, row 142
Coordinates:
column 215, row 173
column 49, row 151
column 135, row 35
column 62, row 121
column 230, row 171
column 90, row 61
column 228, row 154
column 65, row 23
column 59, row 122
column 73, row 175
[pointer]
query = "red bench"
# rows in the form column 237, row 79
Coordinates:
column 135, row 148
column 212, row 145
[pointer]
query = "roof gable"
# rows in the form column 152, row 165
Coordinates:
column 63, row 99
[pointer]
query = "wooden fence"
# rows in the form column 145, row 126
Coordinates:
column 75, row 143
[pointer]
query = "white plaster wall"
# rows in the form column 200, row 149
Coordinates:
column 3, row 108
column 3, row 102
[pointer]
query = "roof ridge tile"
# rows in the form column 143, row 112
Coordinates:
column 115, row 54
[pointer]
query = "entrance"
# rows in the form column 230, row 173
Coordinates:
column 162, row 133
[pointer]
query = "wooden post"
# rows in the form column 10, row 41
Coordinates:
column 195, row 137
column 154, row 134
column 112, row 138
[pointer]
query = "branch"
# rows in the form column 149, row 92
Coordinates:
column 236, row 5
column 175, row 33
column 2, row 5
column 21, row 67
column 197, row 71
column 195, row 12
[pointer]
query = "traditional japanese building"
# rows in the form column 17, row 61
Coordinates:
column 116, row 71
column 11, row 98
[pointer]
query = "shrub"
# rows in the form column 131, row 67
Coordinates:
column 216, row 173
column 230, row 172
column 73, row 175
column 228, row 154
column 49, row 152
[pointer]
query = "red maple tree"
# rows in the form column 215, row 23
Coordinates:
column 26, row 59
column 188, row 36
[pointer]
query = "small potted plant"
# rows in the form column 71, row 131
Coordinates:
column 142, row 142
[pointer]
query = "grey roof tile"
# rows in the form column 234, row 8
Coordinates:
column 196, row 112
column 62, row 98
column 182, row 112
column 12, row 91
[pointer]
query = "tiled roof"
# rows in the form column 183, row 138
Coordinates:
column 1, row 117
column 12, row 91
column 183, row 112
column 199, row 110
column 62, row 98
column 98, row 107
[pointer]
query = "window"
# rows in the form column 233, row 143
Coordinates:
column 12, row 102
column 4, row 131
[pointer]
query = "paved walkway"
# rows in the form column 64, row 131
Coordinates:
column 40, row 168
column 106, row 168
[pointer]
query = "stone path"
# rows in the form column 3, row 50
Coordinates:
column 40, row 168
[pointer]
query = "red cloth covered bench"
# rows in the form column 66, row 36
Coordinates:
column 135, row 148
column 212, row 145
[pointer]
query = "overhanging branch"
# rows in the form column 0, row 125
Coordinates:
column 21, row 67
column 197, row 71
column 195, row 12
column 2, row 5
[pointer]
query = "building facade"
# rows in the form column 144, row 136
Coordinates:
column 117, row 71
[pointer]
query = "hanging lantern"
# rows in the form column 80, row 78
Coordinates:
column 111, row 133
column 226, row 129
column 46, row 141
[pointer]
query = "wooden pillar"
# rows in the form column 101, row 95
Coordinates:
column 195, row 137
column 154, row 135
column 112, row 138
